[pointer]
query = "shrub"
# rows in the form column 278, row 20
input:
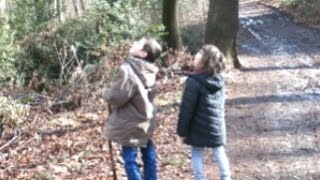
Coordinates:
column 7, row 51
column 50, row 53
column 53, row 53
column 304, row 10
column 290, row 3
column 39, row 52
column 12, row 112
column 124, row 20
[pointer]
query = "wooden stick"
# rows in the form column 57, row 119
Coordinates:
column 9, row 142
column 113, row 165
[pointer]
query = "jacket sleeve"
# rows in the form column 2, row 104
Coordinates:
column 188, row 106
column 122, row 88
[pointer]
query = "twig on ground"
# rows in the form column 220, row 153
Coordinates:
column 13, row 140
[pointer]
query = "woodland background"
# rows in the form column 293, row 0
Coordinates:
column 57, row 55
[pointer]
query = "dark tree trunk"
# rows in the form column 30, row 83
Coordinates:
column 169, row 20
column 222, row 28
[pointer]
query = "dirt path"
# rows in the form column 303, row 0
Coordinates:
column 273, row 109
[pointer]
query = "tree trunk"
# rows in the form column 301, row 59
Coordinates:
column 78, row 7
column 75, row 6
column 222, row 28
column 2, row 8
column 62, row 10
column 82, row 7
column 170, row 22
column 57, row 10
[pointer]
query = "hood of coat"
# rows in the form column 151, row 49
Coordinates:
column 211, row 83
column 145, row 70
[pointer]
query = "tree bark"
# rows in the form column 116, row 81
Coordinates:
column 78, row 6
column 169, row 19
column 57, row 10
column 75, row 6
column 61, row 10
column 83, row 9
column 2, row 8
column 222, row 28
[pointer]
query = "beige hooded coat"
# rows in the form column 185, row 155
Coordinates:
column 131, row 122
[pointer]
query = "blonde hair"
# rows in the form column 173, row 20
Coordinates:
column 213, row 59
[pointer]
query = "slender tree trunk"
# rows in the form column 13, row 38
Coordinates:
column 62, row 8
column 57, row 10
column 170, row 22
column 75, row 6
column 78, row 7
column 82, row 6
column 2, row 8
column 222, row 28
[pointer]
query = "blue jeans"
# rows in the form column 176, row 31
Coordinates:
column 129, row 155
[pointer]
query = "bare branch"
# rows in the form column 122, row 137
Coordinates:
column 13, row 140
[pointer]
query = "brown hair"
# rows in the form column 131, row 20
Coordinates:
column 213, row 59
column 153, row 49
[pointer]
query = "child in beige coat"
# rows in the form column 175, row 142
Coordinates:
column 131, row 122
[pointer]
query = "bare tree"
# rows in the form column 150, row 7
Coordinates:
column 222, row 28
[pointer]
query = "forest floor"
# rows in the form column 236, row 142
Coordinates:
column 272, row 116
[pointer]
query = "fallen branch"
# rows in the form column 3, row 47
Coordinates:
column 14, row 139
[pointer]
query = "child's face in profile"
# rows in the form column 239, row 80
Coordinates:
column 137, row 48
column 197, row 61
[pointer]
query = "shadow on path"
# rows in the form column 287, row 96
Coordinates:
column 276, row 68
column 312, row 97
